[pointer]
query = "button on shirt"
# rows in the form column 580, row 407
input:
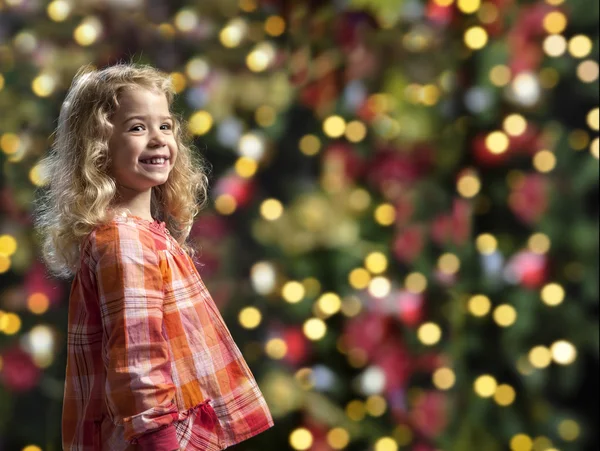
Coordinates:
column 148, row 351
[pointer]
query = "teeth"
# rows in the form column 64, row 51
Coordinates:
column 155, row 161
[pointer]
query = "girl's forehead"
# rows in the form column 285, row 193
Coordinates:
column 142, row 98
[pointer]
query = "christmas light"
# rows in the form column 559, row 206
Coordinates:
column 4, row 265
column 505, row 315
column 488, row 13
column 593, row 119
column 486, row 243
column 497, row 142
column 88, row 31
column 10, row 323
column 305, row 378
column 415, row 283
column 246, row 167
column 540, row 357
column 250, row 317
column 233, row 33
column 197, row 69
column 355, row 410
column 301, row 439
column 429, row 334
column 379, row 287
column 555, row 45
column 225, row 204
column 555, row 22
column 580, row 46
column 329, row 303
column 485, row 386
column 376, row 405
column 293, row 292
column 403, row 434
column 544, row 161
column 315, row 329
column 480, row 305
column 449, row 263
column 276, row 348
column 351, row 306
column 563, row 352
column 334, row 126
column 261, row 57
column 376, row 262
column 444, row 378
column 265, row 115
column 200, row 122
column 539, row 243
column 9, row 143
column 385, row 214
column 252, row 145
column 500, row 75
column 588, row 71
column 553, row 294
column 569, row 430
column 38, row 303
column 186, row 20
column 8, row 245
column 476, row 38
column 58, row 10
column 179, row 81
column 386, row 444
column 275, row 26
column 521, row 442
column 469, row 6
column 359, row 278
column 338, row 438
column 356, row 131
column 468, row 185
column 309, row 145
column 579, row 139
column 505, row 395
column 595, row 148
column 43, row 85
column 271, row 209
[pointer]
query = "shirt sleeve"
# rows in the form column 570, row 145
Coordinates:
column 139, row 389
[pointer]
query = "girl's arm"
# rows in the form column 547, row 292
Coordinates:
column 139, row 388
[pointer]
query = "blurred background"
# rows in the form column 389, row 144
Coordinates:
column 403, row 227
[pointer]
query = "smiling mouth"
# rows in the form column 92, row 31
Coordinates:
column 155, row 161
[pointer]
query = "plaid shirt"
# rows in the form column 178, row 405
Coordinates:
column 148, row 351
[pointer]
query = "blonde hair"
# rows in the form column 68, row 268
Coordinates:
column 79, row 193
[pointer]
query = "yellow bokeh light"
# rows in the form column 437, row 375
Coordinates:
column 580, row 46
column 429, row 334
column 246, row 167
column 540, row 357
column 293, row 292
column 515, row 125
column 485, row 386
column 569, row 430
column 36, row 175
column 200, row 122
column 334, row 126
column 275, row 26
column 376, row 262
column 555, row 45
column 553, row 294
column 385, row 214
column 32, row 447
column 593, row 119
column 265, row 115
column 476, row 38
column 497, row 142
column 500, row 75
column 43, row 85
column 10, row 323
column 351, row 306
column 469, row 6
column 488, row 13
column 595, row 148
column 403, row 434
column 179, row 81
column 58, row 10
column 356, row 410
column 356, row 131
column 380, row 287
column 444, row 378
column 1, row 82
column 579, row 139
column 186, row 20
column 338, row 438
column 305, row 378
column 376, row 405
column 563, row 352
column 479, row 305
column 225, row 204
column 539, row 243
column 4, row 263
column 416, row 282
column 276, row 348
column 449, row 263
column 386, row 444
column 248, row 5
column 87, row 32
column 250, row 317
column 359, row 278
column 486, row 243
column 315, row 328
column 505, row 395
column 301, row 439
column 271, row 209
column 555, row 22
column 38, row 303
column 197, row 69
column 8, row 245
column 429, row 95
column 544, row 161
column 587, row 71
column 549, row 77
column 359, row 199
column 521, row 442
column 505, row 315
column 310, row 145
column 259, row 59
column 357, row 358
column 329, row 303
column 444, row 3
column 468, row 185
column 10, row 143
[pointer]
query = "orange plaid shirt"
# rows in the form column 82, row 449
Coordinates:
column 149, row 351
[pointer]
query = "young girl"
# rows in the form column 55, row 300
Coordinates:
column 151, row 365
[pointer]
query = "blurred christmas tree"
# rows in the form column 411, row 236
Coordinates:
column 404, row 234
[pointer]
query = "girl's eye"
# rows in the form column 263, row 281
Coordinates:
column 166, row 127
column 136, row 128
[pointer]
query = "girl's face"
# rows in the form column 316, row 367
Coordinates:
column 142, row 145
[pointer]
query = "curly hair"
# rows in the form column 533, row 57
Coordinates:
column 79, row 193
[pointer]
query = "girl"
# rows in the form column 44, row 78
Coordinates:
column 150, row 363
